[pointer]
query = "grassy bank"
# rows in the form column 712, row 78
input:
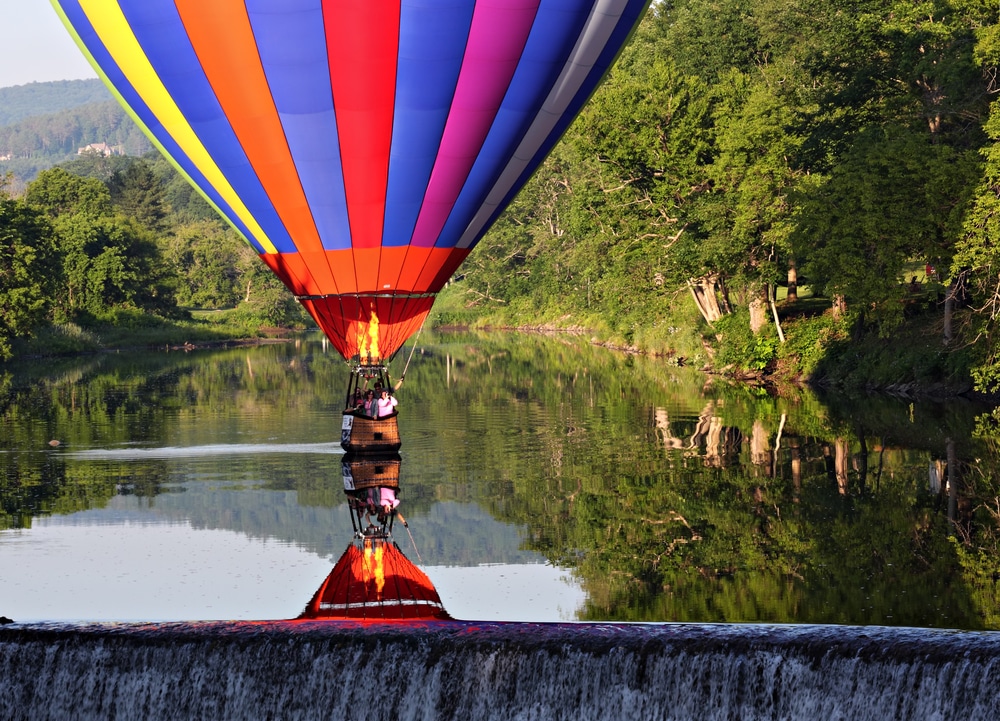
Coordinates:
column 134, row 330
column 908, row 358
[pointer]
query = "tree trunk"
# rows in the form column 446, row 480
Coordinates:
column 758, row 310
column 793, row 444
column 723, row 294
column 950, row 298
column 703, row 292
column 759, row 445
column 949, row 312
column 793, row 282
column 952, row 458
column 774, row 312
column 862, row 462
column 839, row 306
column 840, row 464
column 715, row 446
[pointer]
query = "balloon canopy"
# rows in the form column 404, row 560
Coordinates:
column 361, row 147
column 374, row 581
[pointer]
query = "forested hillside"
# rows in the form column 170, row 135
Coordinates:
column 24, row 101
column 42, row 141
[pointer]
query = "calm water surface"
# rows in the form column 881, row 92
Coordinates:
column 542, row 479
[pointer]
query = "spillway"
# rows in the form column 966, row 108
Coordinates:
column 469, row 670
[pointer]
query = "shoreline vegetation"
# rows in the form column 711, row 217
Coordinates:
column 160, row 334
column 819, row 351
column 909, row 363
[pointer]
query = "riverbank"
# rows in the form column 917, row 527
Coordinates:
column 143, row 332
column 817, row 349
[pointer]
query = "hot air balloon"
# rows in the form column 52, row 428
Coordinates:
column 362, row 147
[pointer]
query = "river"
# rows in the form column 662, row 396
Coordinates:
column 543, row 480
column 208, row 485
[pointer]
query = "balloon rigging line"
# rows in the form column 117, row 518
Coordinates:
column 407, row 527
column 407, row 364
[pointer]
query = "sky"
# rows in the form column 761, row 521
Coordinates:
column 172, row 571
column 36, row 46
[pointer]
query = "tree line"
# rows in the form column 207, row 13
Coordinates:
column 742, row 148
column 120, row 241
column 24, row 101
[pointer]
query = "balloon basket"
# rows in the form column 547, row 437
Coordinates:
column 361, row 434
column 371, row 471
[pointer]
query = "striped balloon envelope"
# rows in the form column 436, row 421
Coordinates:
column 362, row 147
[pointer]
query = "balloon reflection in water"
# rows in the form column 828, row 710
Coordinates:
column 361, row 148
column 373, row 580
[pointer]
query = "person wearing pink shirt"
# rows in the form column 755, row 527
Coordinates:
column 386, row 404
column 388, row 500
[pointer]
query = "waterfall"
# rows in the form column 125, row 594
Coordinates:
column 468, row 670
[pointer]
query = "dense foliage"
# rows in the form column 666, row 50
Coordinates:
column 742, row 149
column 122, row 242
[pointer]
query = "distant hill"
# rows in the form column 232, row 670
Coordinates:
column 24, row 101
column 38, row 142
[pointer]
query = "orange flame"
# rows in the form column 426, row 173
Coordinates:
column 374, row 567
column 367, row 336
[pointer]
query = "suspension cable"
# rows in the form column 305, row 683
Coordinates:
column 407, row 364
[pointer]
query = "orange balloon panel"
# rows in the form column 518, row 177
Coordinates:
column 373, row 325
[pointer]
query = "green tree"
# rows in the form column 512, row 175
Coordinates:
column 28, row 270
column 209, row 259
column 977, row 257
column 185, row 204
column 97, row 165
column 744, row 220
column 110, row 263
column 138, row 194
column 897, row 195
column 59, row 192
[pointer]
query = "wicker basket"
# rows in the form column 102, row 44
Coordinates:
column 371, row 471
column 361, row 434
